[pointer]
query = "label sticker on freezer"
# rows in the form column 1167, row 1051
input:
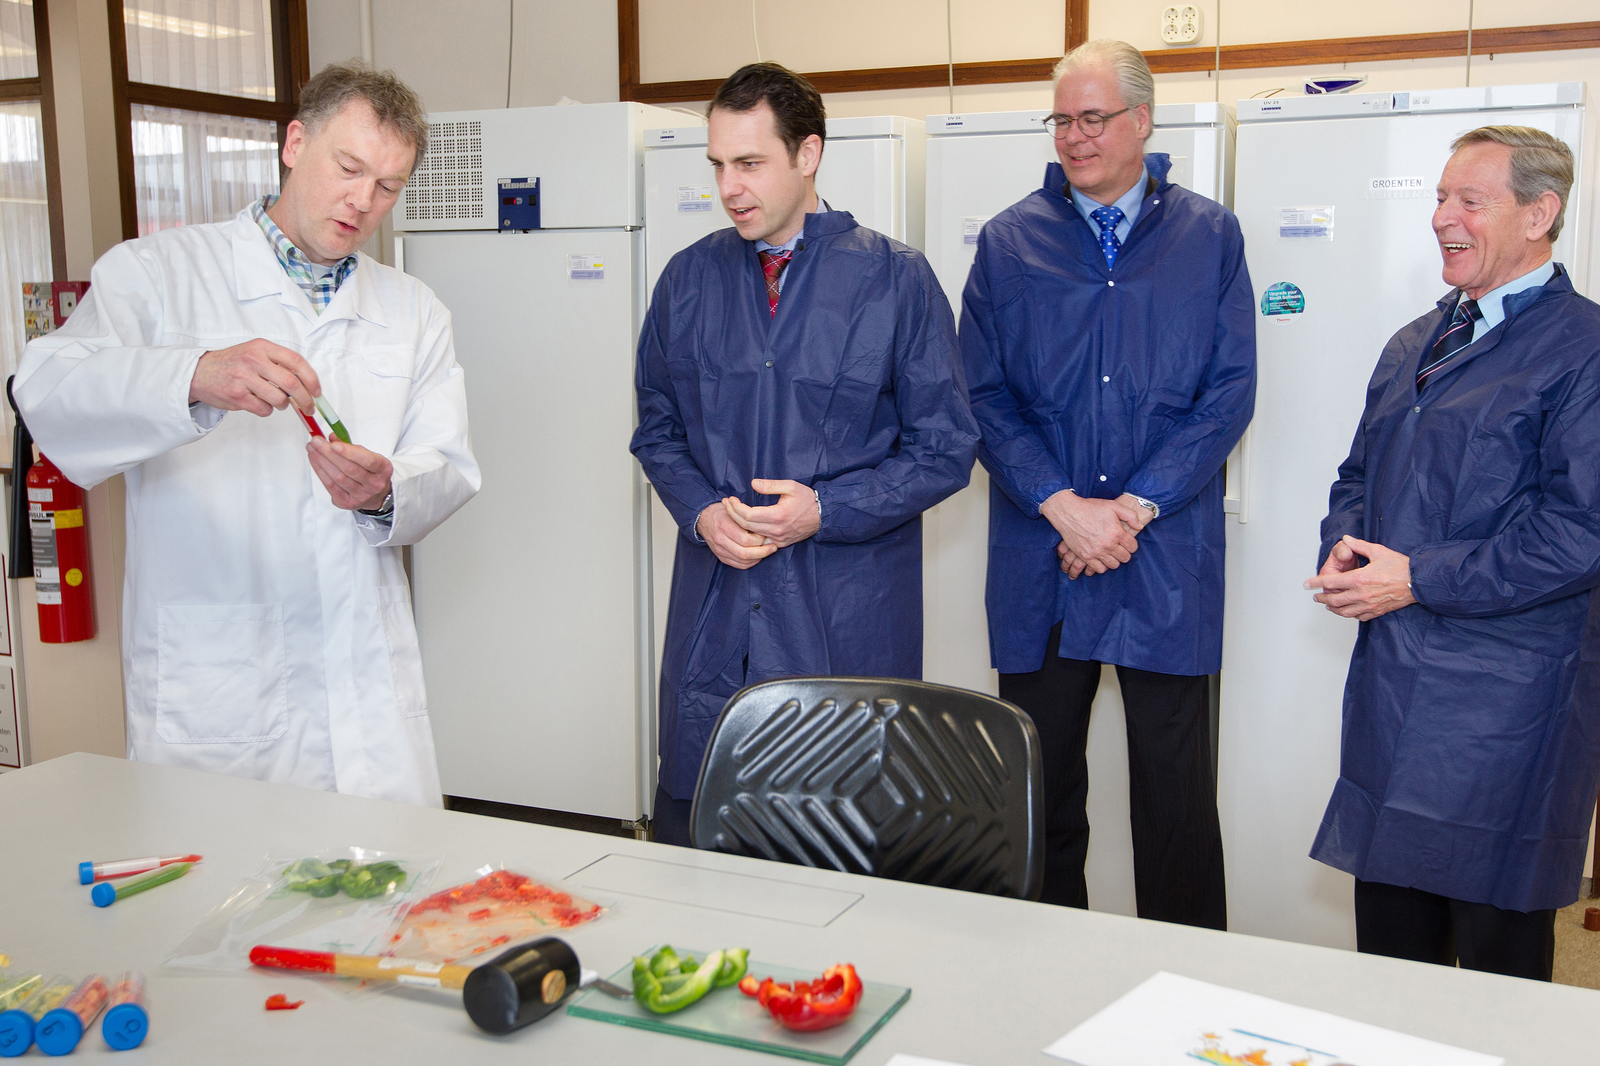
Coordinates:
column 693, row 199
column 1405, row 187
column 971, row 226
column 586, row 268
column 1282, row 298
column 1313, row 222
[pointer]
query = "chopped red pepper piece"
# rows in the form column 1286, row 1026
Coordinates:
column 279, row 1001
column 809, row 1005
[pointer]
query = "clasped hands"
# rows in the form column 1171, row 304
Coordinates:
column 260, row 377
column 1096, row 535
column 1364, row 592
column 741, row 536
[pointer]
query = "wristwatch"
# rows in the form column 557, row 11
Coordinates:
column 1154, row 509
column 383, row 510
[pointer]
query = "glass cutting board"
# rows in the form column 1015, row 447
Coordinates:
column 728, row 1016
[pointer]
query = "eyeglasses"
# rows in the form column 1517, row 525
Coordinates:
column 1090, row 123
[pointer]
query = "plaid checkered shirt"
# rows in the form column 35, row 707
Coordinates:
column 319, row 290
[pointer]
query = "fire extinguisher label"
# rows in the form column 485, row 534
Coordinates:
column 46, row 571
column 40, row 495
column 72, row 519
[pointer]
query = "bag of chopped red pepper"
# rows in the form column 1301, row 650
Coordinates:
column 497, row 907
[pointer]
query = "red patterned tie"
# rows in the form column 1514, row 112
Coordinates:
column 772, row 264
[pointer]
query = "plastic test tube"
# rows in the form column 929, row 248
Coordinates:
column 126, row 1022
column 18, row 1023
column 60, row 1029
column 105, row 893
column 90, row 872
column 14, row 990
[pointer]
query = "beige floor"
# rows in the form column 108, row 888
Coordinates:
column 1577, row 949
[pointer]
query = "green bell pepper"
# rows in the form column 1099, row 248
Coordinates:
column 663, row 993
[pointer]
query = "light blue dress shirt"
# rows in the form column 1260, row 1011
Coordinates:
column 1129, row 202
column 1490, row 306
column 793, row 242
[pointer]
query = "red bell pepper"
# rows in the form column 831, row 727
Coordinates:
column 806, row 1006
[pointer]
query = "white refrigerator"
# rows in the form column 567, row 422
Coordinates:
column 1335, row 195
column 978, row 165
column 532, row 602
column 871, row 167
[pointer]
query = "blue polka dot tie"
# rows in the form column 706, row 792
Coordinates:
column 1108, row 217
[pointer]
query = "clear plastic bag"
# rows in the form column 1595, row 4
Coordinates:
column 499, row 907
column 349, row 901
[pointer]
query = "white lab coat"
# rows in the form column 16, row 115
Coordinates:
column 265, row 632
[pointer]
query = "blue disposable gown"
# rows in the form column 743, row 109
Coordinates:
column 1468, row 768
column 854, row 388
column 1136, row 379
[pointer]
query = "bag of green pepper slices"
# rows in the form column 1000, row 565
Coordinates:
column 351, row 900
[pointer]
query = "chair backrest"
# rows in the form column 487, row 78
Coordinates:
column 886, row 777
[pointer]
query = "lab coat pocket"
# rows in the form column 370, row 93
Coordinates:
column 221, row 674
column 405, row 658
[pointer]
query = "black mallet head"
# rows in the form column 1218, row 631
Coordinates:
column 521, row 985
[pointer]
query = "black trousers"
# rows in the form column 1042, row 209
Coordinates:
column 1407, row 923
column 669, row 823
column 1177, row 842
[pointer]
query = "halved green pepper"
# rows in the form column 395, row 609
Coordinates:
column 663, row 993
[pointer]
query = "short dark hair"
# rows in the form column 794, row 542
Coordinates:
column 795, row 103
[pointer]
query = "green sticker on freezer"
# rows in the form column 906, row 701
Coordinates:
column 1282, row 298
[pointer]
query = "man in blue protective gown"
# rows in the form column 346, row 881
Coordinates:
column 1108, row 333
column 1464, row 534
column 800, row 405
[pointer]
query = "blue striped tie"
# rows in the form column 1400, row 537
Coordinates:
column 1457, row 337
column 1108, row 217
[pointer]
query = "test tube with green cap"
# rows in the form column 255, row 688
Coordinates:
column 17, row 1024
column 106, row 893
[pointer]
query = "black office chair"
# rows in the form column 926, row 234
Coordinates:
column 891, row 778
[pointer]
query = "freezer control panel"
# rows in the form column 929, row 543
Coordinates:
column 519, row 204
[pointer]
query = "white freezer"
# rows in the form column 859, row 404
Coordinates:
column 978, row 165
column 532, row 603
column 1371, row 160
column 871, row 167
column 586, row 155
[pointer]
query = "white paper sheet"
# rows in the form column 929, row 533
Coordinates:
column 1177, row 1021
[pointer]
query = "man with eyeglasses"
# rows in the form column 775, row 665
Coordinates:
column 1109, row 339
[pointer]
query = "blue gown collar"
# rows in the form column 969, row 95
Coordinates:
column 1517, row 302
column 1157, row 163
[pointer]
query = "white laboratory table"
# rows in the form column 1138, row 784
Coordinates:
column 994, row 980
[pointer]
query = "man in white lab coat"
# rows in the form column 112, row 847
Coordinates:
column 267, row 628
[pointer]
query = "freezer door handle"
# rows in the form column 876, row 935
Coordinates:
column 1236, row 493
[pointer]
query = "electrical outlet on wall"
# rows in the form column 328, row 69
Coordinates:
column 1180, row 24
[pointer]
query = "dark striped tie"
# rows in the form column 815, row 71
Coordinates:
column 1457, row 337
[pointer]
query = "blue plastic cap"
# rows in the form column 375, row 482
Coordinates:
column 16, row 1033
column 58, row 1032
column 103, row 894
column 86, row 873
column 125, row 1025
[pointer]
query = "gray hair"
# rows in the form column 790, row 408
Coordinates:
column 1134, row 80
column 1540, row 163
column 391, row 99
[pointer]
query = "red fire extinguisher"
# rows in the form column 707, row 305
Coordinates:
column 60, row 555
